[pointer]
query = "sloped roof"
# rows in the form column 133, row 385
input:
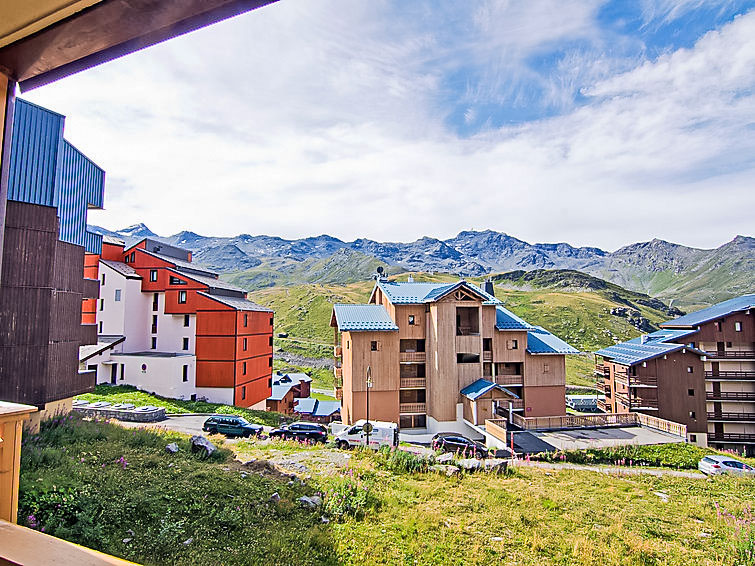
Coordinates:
column 237, row 303
column 540, row 341
column 663, row 335
column 103, row 343
column 316, row 407
column 482, row 386
column 356, row 318
column 211, row 282
column 278, row 392
column 181, row 265
column 123, row 268
column 290, row 378
column 507, row 320
column 711, row 313
column 629, row 354
column 416, row 292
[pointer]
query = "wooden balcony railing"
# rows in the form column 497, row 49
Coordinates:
column 337, row 351
column 487, row 356
column 413, row 382
column 512, row 380
column 733, row 375
column 732, row 354
column 591, row 421
column 409, row 408
column 735, row 417
column 643, row 381
column 497, row 427
column 637, row 402
column 602, row 405
column 411, row 356
column 730, row 396
column 601, row 370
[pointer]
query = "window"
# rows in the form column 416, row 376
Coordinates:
column 717, row 325
column 270, row 362
column 373, row 345
column 243, row 392
column 186, row 373
column 546, row 368
column 176, row 281
column 243, row 368
column 271, row 341
column 347, row 344
column 100, row 327
column 467, row 358
column 102, row 304
column 513, row 344
column 487, row 344
column 691, row 392
column 186, row 320
column 411, row 320
column 729, row 344
column 271, row 320
column 246, row 320
column 738, row 326
column 185, row 344
column 243, row 344
column 117, row 295
column 153, row 275
column 154, row 342
column 123, row 369
column 692, row 438
column 133, row 257
column 155, row 301
column 154, row 324
column 692, row 415
column 182, row 297
column 690, row 369
column 127, row 259
column 103, row 278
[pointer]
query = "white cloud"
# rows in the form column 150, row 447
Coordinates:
column 328, row 117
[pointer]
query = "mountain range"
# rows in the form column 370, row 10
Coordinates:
column 691, row 276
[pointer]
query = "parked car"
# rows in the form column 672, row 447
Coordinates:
column 456, row 443
column 714, row 465
column 382, row 434
column 312, row 432
column 231, row 425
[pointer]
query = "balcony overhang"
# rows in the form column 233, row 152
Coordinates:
column 45, row 42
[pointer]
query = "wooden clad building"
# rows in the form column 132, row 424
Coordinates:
column 422, row 344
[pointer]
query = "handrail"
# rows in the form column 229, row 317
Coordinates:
column 412, row 356
column 419, row 408
column 590, row 421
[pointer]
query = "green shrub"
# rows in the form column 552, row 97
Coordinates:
column 346, row 496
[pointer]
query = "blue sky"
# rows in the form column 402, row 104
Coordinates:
column 597, row 123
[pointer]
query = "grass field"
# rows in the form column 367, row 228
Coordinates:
column 117, row 490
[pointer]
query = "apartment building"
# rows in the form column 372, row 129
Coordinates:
column 698, row 370
column 425, row 351
column 185, row 333
column 51, row 187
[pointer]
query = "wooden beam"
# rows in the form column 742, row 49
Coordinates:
column 108, row 30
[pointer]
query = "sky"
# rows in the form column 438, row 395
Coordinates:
column 597, row 123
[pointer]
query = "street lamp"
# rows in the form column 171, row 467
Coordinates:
column 367, row 426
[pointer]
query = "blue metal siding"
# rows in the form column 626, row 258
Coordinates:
column 47, row 170
column 37, row 136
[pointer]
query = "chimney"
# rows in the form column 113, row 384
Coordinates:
column 644, row 339
column 410, row 279
column 488, row 287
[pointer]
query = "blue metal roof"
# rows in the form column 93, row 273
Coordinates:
column 540, row 341
column 278, row 392
column 664, row 335
column 47, row 170
column 363, row 318
column 629, row 354
column 478, row 389
column 711, row 313
column 415, row 292
column 507, row 320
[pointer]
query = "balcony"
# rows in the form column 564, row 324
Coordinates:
column 512, row 380
column 745, row 437
column 487, row 356
column 412, row 408
column 730, row 396
column 732, row 417
column 601, row 370
column 730, row 375
column 643, row 381
column 602, row 406
column 413, row 383
column 637, row 403
column 417, row 357
column 337, row 352
column 732, row 355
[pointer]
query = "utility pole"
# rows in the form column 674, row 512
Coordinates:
column 367, row 426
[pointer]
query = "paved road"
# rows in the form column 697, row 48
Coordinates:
column 187, row 425
column 618, row 470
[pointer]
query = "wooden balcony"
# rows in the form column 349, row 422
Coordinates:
column 413, row 383
column 643, row 381
column 730, row 396
column 732, row 355
column 487, row 356
column 337, row 351
column 601, row 370
column 637, row 403
column 602, row 405
column 412, row 408
column 730, row 375
column 732, row 417
column 418, row 357
column 512, row 380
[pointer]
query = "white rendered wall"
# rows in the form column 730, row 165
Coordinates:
column 216, row 394
column 163, row 375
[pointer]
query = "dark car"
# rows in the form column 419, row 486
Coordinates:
column 311, row 432
column 231, row 425
column 458, row 444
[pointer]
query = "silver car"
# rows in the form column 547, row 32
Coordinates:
column 715, row 465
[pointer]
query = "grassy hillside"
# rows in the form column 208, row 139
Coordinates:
column 574, row 307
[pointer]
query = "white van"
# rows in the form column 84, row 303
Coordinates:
column 382, row 434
